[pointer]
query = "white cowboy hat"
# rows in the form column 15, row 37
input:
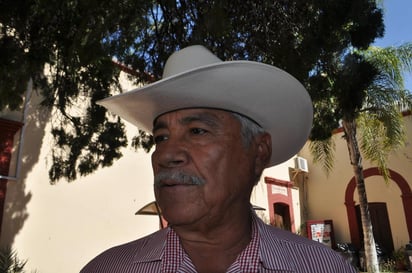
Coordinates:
column 195, row 78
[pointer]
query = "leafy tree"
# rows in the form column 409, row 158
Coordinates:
column 369, row 94
column 76, row 40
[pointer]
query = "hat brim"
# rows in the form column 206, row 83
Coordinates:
column 268, row 95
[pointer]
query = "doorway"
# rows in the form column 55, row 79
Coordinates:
column 282, row 216
column 380, row 223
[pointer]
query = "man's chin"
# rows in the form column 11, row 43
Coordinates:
column 179, row 216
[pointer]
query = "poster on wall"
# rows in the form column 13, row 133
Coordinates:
column 321, row 231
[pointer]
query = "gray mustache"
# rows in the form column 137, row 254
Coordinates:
column 178, row 177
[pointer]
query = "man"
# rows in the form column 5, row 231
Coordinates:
column 215, row 125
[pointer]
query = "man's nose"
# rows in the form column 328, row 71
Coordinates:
column 172, row 153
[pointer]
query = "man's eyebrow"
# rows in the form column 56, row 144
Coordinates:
column 158, row 125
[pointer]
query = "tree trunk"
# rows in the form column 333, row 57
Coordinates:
column 356, row 162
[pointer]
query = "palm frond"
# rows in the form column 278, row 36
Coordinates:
column 380, row 96
column 323, row 153
column 9, row 262
column 392, row 63
column 380, row 134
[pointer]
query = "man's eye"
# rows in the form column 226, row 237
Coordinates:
column 198, row 131
column 159, row 138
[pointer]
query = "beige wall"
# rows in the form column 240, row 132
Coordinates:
column 326, row 194
column 58, row 228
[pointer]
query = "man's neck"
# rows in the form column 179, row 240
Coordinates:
column 214, row 249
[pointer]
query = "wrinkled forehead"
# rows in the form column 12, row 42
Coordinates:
column 208, row 115
column 205, row 112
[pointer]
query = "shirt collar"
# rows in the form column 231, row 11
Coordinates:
column 153, row 247
column 272, row 251
column 173, row 253
column 248, row 260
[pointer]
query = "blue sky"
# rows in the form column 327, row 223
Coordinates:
column 398, row 27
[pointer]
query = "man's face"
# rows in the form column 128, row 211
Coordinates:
column 204, row 144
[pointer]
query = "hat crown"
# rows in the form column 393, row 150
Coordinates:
column 189, row 58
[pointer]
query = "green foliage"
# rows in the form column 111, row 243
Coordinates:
column 398, row 262
column 10, row 263
column 381, row 121
column 143, row 140
column 388, row 266
column 367, row 88
column 323, row 153
column 76, row 40
column 354, row 77
column 380, row 134
column 392, row 62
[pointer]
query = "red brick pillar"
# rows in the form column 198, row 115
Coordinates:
column 8, row 129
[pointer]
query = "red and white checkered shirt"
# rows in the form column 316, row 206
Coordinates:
column 271, row 250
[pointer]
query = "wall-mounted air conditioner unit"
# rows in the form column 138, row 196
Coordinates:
column 301, row 164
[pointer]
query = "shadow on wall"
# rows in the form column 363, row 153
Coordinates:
column 17, row 198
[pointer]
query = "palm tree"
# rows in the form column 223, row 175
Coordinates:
column 366, row 91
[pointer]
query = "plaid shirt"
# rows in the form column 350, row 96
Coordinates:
column 270, row 250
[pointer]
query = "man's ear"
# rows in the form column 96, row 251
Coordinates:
column 263, row 152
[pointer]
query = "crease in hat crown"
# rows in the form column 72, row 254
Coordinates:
column 195, row 78
column 191, row 57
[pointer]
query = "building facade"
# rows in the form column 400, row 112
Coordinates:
column 334, row 196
